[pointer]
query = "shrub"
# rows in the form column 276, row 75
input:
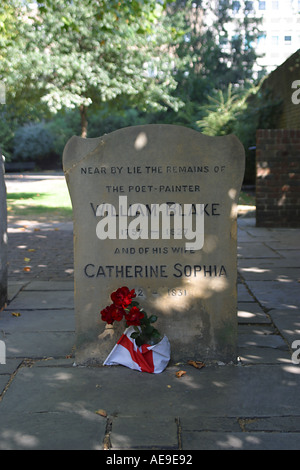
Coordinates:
column 33, row 142
column 63, row 126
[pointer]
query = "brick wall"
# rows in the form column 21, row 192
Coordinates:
column 278, row 178
column 279, row 85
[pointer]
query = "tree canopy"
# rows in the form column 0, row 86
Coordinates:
column 111, row 63
column 75, row 54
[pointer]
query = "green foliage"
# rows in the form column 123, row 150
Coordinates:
column 33, row 142
column 241, row 113
column 125, row 63
column 8, row 29
column 224, row 110
column 77, row 54
column 146, row 333
column 103, row 122
column 62, row 127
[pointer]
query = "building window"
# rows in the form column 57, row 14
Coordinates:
column 288, row 40
column 262, row 5
column 236, row 6
column 261, row 39
column 275, row 40
column 275, row 4
column 248, row 6
column 299, row 6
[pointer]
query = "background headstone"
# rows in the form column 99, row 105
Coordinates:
column 3, row 236
column 193, row 292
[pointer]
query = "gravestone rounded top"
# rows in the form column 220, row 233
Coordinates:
column 155, row 209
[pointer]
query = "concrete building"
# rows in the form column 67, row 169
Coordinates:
column 280, row 29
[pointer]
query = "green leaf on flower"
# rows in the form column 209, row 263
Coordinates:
column 134, row 335
column 153, row 319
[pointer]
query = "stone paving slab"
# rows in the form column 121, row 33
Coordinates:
column 241, row 441
column 268, row 263
column 276, row 294
column 37, row 320
column 256, row 250
column 78, row 430
column 49, row 286
column 273, row 423
column 3, row 380
column 285, row 245
column 288, row 322
column 38, row 344
column 205, row 407
column 262, row 345
column 42, row 300
column 270, row 273
column 243, row 294
column 10, row 367
column 235, row 391
column 14, row 288
column 251, row 312
column 149, row 433
column 257, row 355
column 260, row 341
column 256, row 329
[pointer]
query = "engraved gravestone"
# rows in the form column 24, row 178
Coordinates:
column 3, row 237
column 155, row 209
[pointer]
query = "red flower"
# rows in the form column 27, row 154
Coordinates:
column 106, row 315
column 134, row 316
column 112, row 313
column 122, row 297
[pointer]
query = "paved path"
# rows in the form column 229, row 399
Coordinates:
column 47, row 403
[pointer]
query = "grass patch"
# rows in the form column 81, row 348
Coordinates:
column 54, row 203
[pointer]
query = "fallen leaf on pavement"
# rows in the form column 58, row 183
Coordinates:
column 26, row 259
column 180, row 373
column 16, row 314
column 101, row 413
column 197, row 364
column 27, row 269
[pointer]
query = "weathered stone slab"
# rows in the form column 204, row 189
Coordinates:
column 41, row 300
column 184, row 271
column 80, row 430
column 38, row 344
column 152, row 433
column 3, row 237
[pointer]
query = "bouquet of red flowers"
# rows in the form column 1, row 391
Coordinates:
column 124, row 306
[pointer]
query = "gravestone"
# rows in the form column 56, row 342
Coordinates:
column 3, row 237
column 155, row 209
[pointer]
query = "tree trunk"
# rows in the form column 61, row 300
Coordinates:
column 84, row 122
